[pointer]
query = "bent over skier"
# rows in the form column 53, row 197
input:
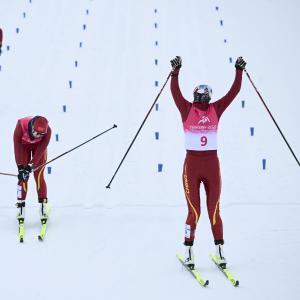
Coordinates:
column 200, row 122
column 1, row 38
column 31, row 138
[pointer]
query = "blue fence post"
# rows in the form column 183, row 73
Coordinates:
column 264, row 163
column 160, row 167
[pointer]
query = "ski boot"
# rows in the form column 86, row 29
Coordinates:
column 44, row 215
column 221, row 260
column 189, row 257
column 21, row 209
column 21, row 217
column 44, row 210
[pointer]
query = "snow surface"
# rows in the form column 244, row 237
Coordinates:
column 121, row 243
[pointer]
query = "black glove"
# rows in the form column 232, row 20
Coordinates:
column 176, row 63
column 24, row 172
column 240, row 63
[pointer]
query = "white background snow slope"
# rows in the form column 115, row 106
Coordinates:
column 121, row 243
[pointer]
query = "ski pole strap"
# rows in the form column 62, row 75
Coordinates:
column 270, row 114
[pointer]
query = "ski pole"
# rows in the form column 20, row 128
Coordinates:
column 57, row 157
column 265, row 105
column 147, row 115
column 8, row 174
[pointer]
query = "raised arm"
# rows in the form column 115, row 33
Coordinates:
column 225, row 101
column 182, row 104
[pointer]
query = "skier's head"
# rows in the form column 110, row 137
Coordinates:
column 39, row 126
column 202, row 93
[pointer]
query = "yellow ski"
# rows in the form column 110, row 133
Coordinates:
column 21, row 230
column 225, row 271
column 44, row 222
column 195, row 273
column 43, row 230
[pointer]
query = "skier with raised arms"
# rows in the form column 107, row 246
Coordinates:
column 200, row 122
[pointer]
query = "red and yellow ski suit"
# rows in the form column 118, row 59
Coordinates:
column 31, row 151
column 203, row 166
column 1, row 37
